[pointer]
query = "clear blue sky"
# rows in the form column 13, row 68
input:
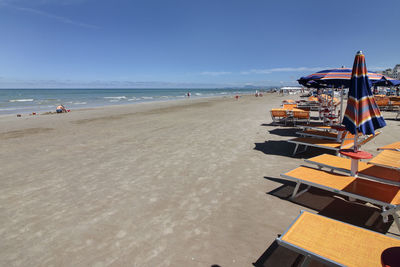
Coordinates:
column 189, row 43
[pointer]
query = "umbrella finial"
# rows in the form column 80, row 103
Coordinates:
column 359, row 52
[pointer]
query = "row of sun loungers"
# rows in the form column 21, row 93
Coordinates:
column 336, row 243
column 376, row 182
column 289, row 112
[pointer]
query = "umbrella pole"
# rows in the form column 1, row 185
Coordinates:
column 341, row 105
column 355, row 148
column 354, row 162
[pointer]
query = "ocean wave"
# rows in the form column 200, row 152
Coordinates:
column 10, row 109
column 146, row 97
column 115, row 97
column 198, row 94
column 132, row 99
column 21, row 100
column 80, row 103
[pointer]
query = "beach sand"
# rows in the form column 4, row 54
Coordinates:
column 181, row 183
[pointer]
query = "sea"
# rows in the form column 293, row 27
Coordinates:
column 15, row 101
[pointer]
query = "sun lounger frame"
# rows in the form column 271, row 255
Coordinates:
column 387, row 208
column 342, row 144
column 309, row 255
column 304, row 134
column 321, row 165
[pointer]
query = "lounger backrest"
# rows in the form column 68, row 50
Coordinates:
column 289, row 106
column 381, row 102
column 279, row 113
column 301, row 114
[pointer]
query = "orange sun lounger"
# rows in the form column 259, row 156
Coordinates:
column 387, row 159
column 319, row 134
column 378, row 173
column 279, row 115
column 347, row 142
column 395, row 146
column 384, row 195
column 335, row 243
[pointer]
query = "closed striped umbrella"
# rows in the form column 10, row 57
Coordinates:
column 362, row 113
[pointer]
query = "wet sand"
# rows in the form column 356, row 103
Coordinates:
column 182, row 183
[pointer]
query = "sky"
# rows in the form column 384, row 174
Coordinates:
column 189, row 43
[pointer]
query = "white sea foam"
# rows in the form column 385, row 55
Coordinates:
column 198, row 94
column 115, row 97
column 132, row 99
column 147, row 97
column 80, row 103
column 21, row 100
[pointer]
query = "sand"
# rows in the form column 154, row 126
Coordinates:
column 181, row 183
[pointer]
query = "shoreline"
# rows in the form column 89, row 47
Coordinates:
column 93, row 98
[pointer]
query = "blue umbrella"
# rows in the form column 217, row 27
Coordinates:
column 386, row 82
column 362, row 113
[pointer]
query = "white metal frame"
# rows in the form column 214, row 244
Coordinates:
column 316, row 136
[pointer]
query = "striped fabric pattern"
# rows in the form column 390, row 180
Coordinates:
column 339, row 77
column 362, row 113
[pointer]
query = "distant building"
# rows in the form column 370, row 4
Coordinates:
column 396, row 72
column 393, row 73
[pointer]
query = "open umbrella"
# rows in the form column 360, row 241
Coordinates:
column 341, row 78
column 362, row 113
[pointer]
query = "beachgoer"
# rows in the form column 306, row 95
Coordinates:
column 61, row 109
column 188, row 94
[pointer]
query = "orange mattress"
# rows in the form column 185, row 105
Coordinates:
column 340, row 242
column 387, row 158
column 339, row 182
column 363, row 168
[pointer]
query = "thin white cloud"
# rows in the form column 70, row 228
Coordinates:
column 49, row 15
column 286, row 69
column 215, row 73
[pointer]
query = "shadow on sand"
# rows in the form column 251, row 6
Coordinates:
column 284, row 148
column 284, row 131
column 326, row 204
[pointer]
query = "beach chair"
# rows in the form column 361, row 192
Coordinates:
column 334, row 243
column 289, row 106
column 321, row 134
column 383, row 195
column 301, row 116
column 347, row 142
column 383, row 103
column 388, row 159
column 368, row 171
column 279, row 116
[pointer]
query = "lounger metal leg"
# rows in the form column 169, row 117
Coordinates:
column 306, row 261
column 296, row 189
column 397, row 220
column 295, row 149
